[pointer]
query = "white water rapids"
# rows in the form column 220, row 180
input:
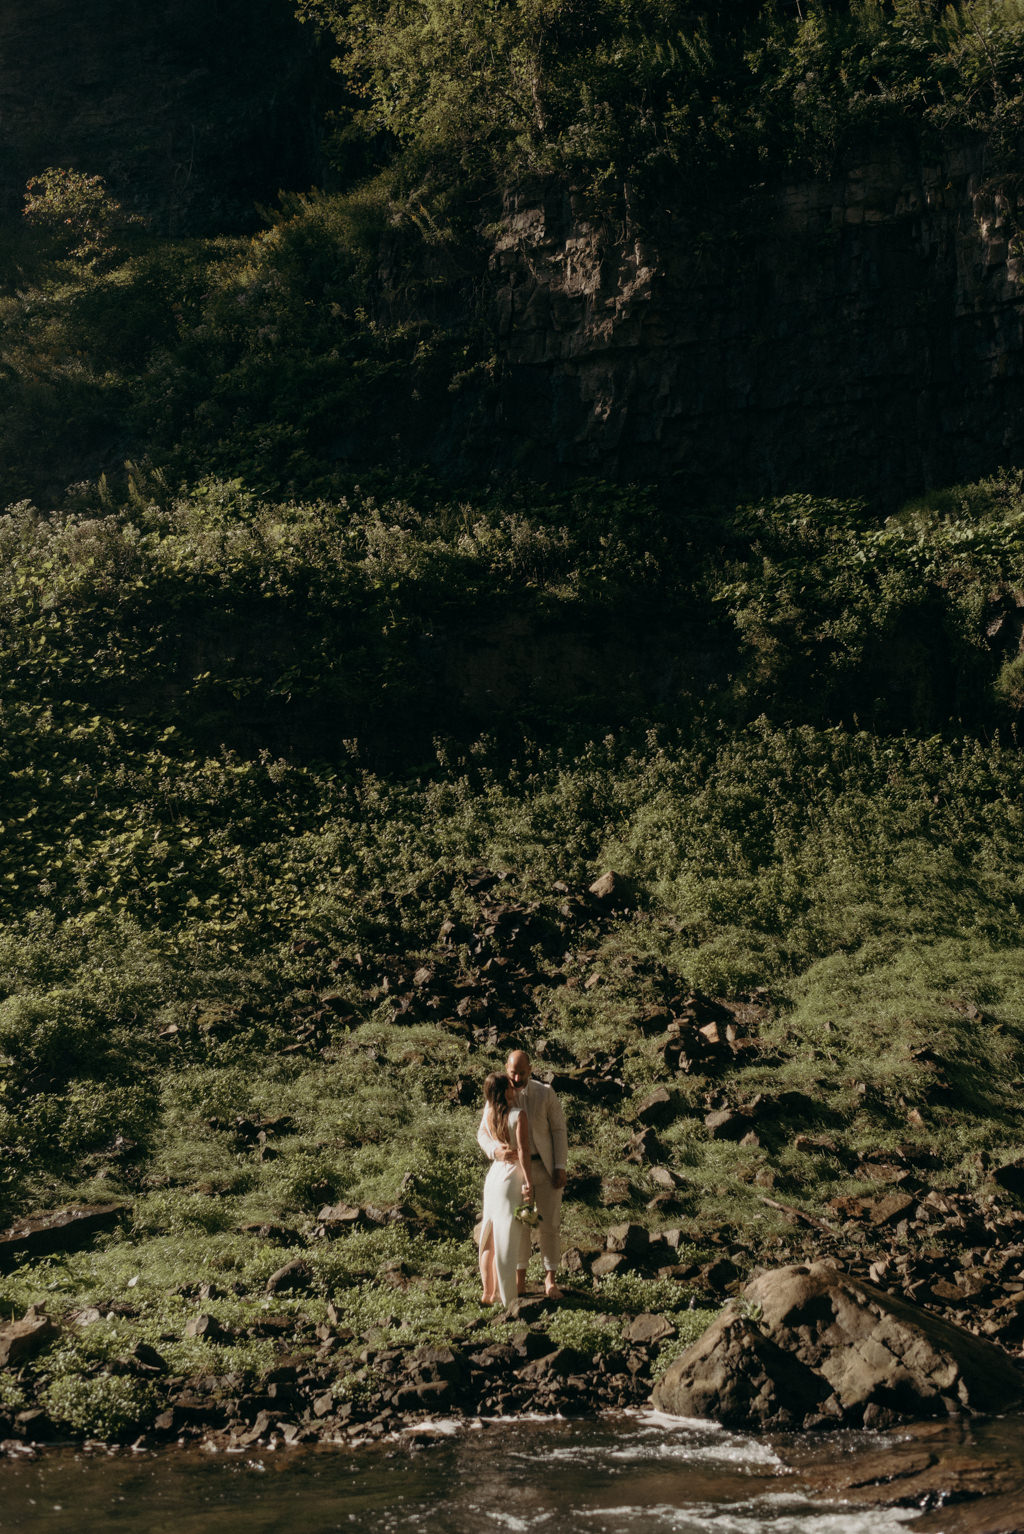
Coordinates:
column 639, row 1474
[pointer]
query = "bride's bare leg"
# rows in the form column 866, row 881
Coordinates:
column 488, row 1272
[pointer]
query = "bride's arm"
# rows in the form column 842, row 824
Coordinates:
column 523, row 1147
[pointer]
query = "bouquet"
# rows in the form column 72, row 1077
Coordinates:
column 527, row 1214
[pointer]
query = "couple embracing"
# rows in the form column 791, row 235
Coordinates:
column 523, row 1133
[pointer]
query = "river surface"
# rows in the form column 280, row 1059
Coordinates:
column 639, row 1474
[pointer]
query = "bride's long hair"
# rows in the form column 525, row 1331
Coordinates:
column 495, row 1096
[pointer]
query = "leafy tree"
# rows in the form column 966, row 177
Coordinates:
column 78, row 214
column 533, row 86
column 656, row 89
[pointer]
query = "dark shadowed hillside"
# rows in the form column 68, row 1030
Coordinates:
column 192, row 110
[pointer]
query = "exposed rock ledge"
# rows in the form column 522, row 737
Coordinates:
column 859, row 334
column 809, row 1346
column 958, row 1479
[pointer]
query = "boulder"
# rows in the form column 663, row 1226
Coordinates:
column 657, row 1110
column 644, row 1146
column 888, row 1210
column 424, row 1395
column 260, row 1428
column 339, row 1217
column 530, row 1307
column 727, row 1123
column 627, row 1237
column 577, row 1259
column 147, row 1360
column 809, row 1345
column 294, row 1277
column 206, row 1326
column 718, row 1275
column 559, row 1364
column 614, row 1191
column 869, row 1344
column 612, row 891
column 57, row 1230
column 34, row 1425
column 739, row 1377
column 648, row 1328
column 1011, row 1177
column 280, row 1235
column 23, row 1339
column 430, row 1365
column 607, row 1263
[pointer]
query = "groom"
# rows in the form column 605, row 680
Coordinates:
column 549, row 1154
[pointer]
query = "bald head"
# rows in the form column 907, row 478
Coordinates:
column 519, row 1067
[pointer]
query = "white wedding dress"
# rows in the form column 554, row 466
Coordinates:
column 503, row 1192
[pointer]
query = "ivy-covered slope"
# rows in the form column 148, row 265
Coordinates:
column 242, row 985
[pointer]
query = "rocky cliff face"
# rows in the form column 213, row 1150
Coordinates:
column 857, row 336
column 191, row 109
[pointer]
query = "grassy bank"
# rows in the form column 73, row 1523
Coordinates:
column 244, row 984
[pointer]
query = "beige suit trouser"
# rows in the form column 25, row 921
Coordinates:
column 548, row 1199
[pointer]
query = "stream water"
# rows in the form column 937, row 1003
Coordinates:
column 617, row 1475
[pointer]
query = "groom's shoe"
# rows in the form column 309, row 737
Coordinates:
column 520, row 1282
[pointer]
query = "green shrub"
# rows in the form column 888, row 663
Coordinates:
column 110, row 1408
column 627, row 1293
column 585, row 1332
column 1009, row 684
column 179, row 1212
column 12, row 1395
column 77, row 213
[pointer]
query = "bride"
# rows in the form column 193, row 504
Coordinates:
column 508, row 1183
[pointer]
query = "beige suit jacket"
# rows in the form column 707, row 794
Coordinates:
column 548, row 1137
